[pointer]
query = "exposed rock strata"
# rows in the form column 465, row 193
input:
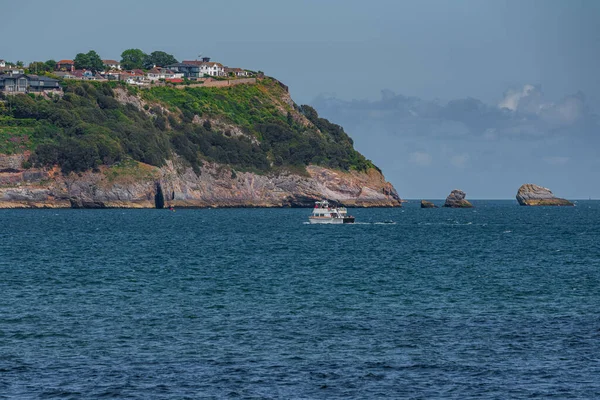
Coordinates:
column 135, row 186
column 427, row 204
column 456, row 199
column 534, row 195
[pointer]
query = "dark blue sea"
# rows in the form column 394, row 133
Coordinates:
column 495, row 302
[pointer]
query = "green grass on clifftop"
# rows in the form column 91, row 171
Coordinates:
column 252, row 127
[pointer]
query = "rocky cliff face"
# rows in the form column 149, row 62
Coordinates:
column 456, row 199
column 136, row 186
column 534, row 195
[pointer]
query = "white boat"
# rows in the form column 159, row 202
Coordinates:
column 323, row 213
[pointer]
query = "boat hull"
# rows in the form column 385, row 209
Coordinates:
column 345, row 220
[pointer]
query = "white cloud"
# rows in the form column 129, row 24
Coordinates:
column 459, row 160
column 420, row 158
column 513, row 97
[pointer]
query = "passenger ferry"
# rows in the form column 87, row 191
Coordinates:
column 323, row 213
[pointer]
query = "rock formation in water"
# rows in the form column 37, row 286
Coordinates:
column 456, row 199
column 534, row 195
column 427, row 204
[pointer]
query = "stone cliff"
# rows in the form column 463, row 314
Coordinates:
column 136, row 185
column 534, row 195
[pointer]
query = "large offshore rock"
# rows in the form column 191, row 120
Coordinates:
column 456, row 199
column 534, row 195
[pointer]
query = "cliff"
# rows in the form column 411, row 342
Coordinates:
column 534, row 195
column 136, row 185
column 106, row 145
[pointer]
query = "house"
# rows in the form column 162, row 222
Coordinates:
column 238, row 72
column 111, row 65
column 65, row 65
column 11, row 70
column 27, row 83
column 190, row 71
column 87, row 75
column 2, row 63
column 157, row 73
column 64, row 74
column 212, row 69
column 208, row 67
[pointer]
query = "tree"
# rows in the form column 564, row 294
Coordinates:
column 81, row 61
column 90, row 60
column 96, row 63
column 50, row 65
column 159, row 58
column 133, row 59
column 37, row 67
column 20, row 64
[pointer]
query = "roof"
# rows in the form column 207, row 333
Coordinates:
column 30, row 77
column 182, row 64
column 110, row 62
column 66, row 62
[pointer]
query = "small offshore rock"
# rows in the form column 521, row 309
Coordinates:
column 427, row 204
column 456, row 199
column 534, row 195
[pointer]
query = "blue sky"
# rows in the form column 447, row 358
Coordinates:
column 354, row 58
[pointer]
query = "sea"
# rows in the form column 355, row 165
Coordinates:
column 494, row 302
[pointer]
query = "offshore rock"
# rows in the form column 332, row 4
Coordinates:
column 534, row 195
column 456, row 199
column 134, row 185
column 427, row 204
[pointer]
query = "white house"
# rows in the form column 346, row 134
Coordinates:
column 157, row 73
column 111, row 64
column 2, row 63
column 212, row 69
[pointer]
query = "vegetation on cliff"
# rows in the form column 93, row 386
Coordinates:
column 253, row 127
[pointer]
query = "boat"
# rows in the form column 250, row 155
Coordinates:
column 324, row 213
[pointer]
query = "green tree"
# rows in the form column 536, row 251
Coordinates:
column 133, row 58
column 96, row 63
column 20, row 64
column 90, row 60
column 50, row 65
column 37, row 67
column 160, row 59
column 81, row 61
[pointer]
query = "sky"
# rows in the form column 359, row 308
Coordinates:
column 477, row 95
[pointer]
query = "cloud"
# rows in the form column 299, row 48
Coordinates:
column 526, row 96
column 521, row 112
column 420, row 158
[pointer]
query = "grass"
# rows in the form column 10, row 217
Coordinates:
column 130, row 170
column 16, row 139
column 242, row 105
